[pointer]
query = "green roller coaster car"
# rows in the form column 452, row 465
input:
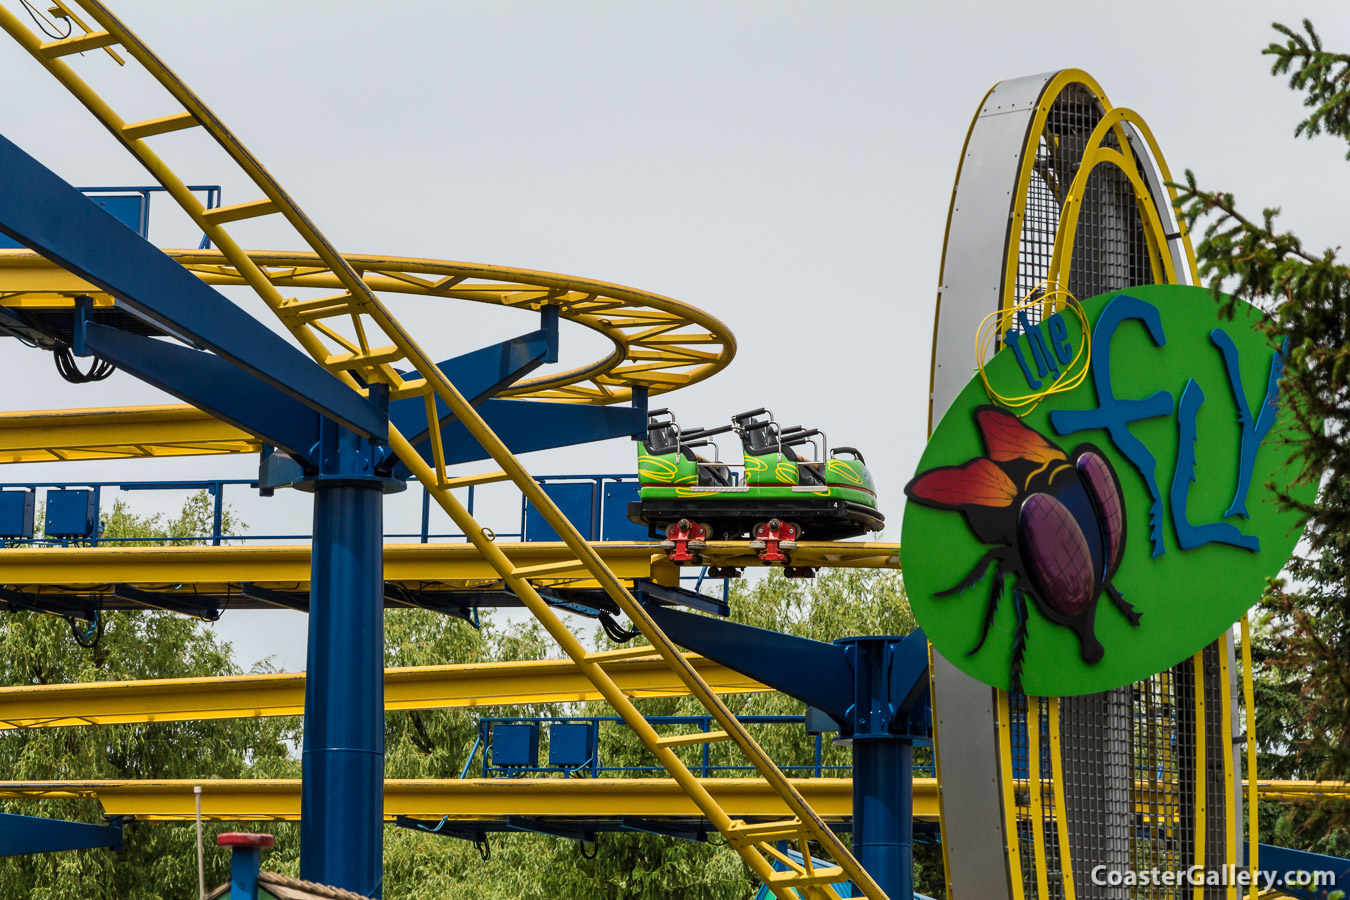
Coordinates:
column 777, row 495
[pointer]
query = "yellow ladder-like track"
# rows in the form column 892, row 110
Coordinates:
column 373, row 344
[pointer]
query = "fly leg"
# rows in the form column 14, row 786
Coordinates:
column 995, row 592
column 996, row 558
column 977, row 573
column 1019, row 640
column 1128, row 610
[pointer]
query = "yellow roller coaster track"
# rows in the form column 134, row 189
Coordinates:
column 257, row 799
column 192, row 571
column 638, row 671
column 474, row 799
column 369, row 347
column 659, row 343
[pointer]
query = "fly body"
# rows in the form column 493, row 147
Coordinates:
column 1055, row 522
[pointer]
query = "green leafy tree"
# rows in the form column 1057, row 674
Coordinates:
column 158, row 861
column 1303, row 656
column 839, row 603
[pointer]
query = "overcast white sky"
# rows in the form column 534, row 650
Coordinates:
column 784, row 165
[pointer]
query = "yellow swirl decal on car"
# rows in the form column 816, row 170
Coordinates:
column 786, row 471
column 657, row 467
column 843, row 471
column 690, row 492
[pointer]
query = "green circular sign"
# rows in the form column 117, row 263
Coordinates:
column 1120, row 526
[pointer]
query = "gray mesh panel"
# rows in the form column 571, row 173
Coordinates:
column 1128, row 755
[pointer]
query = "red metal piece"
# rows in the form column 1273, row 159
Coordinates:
column 684, row 540
column 242, row 839
column 778, row 538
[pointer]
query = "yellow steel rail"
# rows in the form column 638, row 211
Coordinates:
column 355, row 336
column 1301, row 790
column 129, row 433
column 1201, row 806
column 419, row 687
column 191, row 570
column 656, row 342
column 492, row 798
column 288, row 566
column 1249, row 738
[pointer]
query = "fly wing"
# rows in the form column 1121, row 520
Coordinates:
column 977, row 483
column 1007, row 438
column 1104, row 489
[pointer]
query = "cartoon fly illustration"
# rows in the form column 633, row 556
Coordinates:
column 1056, row 521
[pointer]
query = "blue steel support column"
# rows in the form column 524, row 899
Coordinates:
column 883, row 723
column 245, row 862
column 342, row 795
column 874, row 687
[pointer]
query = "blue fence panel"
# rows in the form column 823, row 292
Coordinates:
column 16, row 514
column 577, row 502
column 614, row 523
column 71, row 514
column 516, row 745
column 132, row 210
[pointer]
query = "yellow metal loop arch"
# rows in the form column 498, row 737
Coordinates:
column 1112, row 123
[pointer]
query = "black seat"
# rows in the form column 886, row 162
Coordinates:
column 662, row 437
column 810, row 473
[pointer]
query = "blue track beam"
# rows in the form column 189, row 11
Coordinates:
column 551, row 827
column 528, row 425
column 684, row 831
column 281, row 599
column 41, row 211
column 482, row 374
column 874, row 687
column 204, row 610
column 211, row 384
column 649, row 591
column 443, row 827
column 1283, row 870
column 21, row 835
column 814, row 672
column 72, row 605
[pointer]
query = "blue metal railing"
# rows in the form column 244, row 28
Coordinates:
column 594, row 766
column 216, row 488
column 212, row 192
column 597, row 529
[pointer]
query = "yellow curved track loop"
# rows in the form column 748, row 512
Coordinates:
column 1094, row 154
column 1164, row 271
column 659, row 343
column 368, row 348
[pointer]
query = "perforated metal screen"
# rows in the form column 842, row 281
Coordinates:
column 1130, row 767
